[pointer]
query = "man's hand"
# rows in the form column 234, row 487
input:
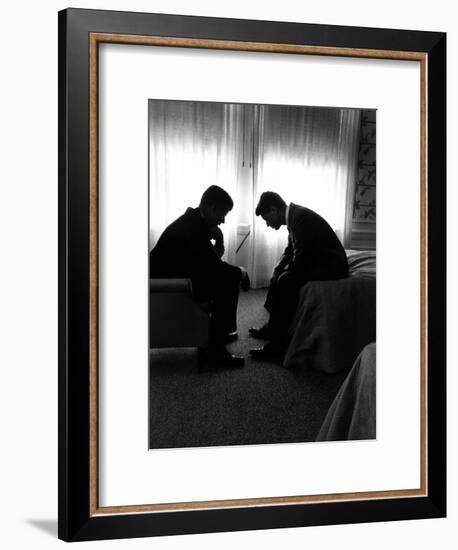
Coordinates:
column 217, row 235
column 244, row 280
column 219, row 249
column 278, row 270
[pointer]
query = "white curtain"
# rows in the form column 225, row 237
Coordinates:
column 192, row 145
column 308, row 156
column 347, row 166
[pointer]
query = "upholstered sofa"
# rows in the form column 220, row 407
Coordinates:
column 175, row 320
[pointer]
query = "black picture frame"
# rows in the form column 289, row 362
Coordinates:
column 78, row 516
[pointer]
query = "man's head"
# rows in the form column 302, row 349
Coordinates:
column 215, row 204
column 272, row 209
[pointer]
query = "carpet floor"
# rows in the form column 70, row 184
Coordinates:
column 260, row 403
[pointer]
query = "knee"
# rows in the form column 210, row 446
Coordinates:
column 285, row 279
column 230, row 275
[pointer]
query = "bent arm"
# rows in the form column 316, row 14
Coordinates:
column 284, row 260
column 218, row 237
column 304, row 246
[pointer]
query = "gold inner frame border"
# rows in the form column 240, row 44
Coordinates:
column 94, row 40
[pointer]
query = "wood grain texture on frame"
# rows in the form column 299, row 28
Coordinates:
column 94, row 40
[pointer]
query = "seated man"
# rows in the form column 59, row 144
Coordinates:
column 313, row 253
column 185, row 250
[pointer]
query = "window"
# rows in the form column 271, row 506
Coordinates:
column 306, row 154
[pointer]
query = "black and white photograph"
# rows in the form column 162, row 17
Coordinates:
column 230, row 254
column 262, row 267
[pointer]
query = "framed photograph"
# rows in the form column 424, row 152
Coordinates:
column 251, row 274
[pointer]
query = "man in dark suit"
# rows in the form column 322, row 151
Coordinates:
column 192, row 247
column 313, row 253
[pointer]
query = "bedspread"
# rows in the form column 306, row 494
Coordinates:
column 352, row 414
column 334, row 320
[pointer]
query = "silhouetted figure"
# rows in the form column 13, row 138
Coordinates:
column 185, row 250
column 313, row 253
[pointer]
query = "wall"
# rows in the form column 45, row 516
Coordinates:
column 364, row 210
column 28, row 295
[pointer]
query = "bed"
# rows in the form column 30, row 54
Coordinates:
column 352, row 415
column 335, row 320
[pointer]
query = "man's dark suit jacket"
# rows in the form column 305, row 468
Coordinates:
column 184, row 250
column 314, row 251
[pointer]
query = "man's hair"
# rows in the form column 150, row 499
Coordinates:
column 269, row 200
column 216, row 196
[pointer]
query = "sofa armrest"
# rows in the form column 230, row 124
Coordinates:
column 170, row 285
column 175, row 319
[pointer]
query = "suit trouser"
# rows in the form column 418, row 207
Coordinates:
column 270, row 296
column 281, row 302
column 223, row 292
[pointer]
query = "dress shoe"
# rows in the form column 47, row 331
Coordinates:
column 220, row 357
column 269, row 352
column 263, row 333
column 230, row 337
